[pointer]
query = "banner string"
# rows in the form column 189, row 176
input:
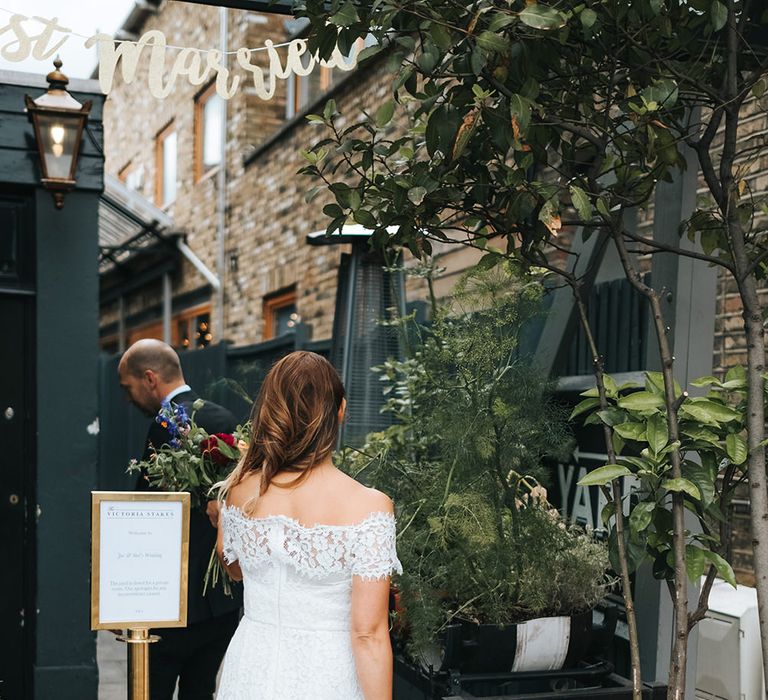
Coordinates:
column 69, row 32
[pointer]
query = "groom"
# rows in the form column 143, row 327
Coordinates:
column 150, row 374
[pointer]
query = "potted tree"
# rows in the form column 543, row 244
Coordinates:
column 494, row 580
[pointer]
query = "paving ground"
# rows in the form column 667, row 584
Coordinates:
column 112, row 660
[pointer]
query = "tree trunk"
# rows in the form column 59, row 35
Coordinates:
column 615, row 496
column 758, row 491
column 679, row 656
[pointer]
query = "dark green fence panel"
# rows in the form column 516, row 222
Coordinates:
column 230, row 376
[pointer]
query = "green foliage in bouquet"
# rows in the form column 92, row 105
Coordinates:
column 463, row 462
column 191, row 460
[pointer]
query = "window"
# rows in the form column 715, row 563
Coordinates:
column 132, row 176
column 305, row 90
column 209, row 145
column 193, row 329
column 165, row 166
column 279, row 312
column 190, row 329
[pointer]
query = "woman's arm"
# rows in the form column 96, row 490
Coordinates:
column 232, row 569
column 371, row 645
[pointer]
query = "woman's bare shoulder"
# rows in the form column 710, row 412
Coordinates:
column 363, row 500
column 245, row 491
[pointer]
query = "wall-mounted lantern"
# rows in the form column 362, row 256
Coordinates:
column 59, row 120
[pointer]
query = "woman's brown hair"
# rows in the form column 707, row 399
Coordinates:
column 295, row 420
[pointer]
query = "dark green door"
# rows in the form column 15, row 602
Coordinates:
column 17, row 458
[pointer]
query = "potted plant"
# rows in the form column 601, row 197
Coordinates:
column 493, row 579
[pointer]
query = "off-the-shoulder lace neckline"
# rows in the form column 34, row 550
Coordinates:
column 280, row 517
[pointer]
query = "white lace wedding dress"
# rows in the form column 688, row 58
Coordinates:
column 294, row 641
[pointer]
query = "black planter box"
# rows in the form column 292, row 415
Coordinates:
column 594, row 680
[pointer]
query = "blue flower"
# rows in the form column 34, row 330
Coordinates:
column 182, row 418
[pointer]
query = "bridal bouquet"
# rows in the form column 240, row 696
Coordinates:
column 193, row 461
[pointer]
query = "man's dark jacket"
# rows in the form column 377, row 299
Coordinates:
column 202, row 535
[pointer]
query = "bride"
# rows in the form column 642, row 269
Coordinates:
column 314, row 548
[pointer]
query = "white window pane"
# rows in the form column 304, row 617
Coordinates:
column 213, row 113
column 169, row 168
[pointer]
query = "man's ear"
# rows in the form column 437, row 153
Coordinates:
column 150, row 377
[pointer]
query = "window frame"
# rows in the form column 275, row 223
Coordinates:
column 125, row 171
column 202, row 97
column 271, row 304
column 154, row 328
column 160, row 138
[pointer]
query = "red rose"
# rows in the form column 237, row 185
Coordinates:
column 210, row 447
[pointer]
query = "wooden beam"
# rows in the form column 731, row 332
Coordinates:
column 277, row 7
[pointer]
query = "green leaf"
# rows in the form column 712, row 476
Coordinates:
column 542, row 17
column 581, row 201
column 718, row 15
column 703, row 478
column 736, row 448
column 640, row 518
column 385, row 113
column 499, row 21
column 618, row 442
column 604, row 475
column 609, row 510
column 611, row 388
column 707, row 411
column 663, row 92
column 634, row 547
column 583, row 406
column 632, row 431
column 641, row 401
column 698, row 432
column 681, row 485
column 588, row 18
column 329, row 110
column 417, row 194
column 602, row 207
column 706, row 381
column 492, row 43
column 735, row 377
column 613, row 416
column 346, row 16
column 724, row 569
column 520, row 110
column 657, row 432
column 695, row 562
column 654, row 382
column 333, row 210
column 365, row 218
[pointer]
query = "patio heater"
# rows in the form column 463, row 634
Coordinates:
column 367, row 292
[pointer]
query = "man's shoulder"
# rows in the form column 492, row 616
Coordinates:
column 211, row 416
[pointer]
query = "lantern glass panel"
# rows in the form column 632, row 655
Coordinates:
column 58, row 133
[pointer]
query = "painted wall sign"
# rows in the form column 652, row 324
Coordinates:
column 195, row 65
column 584, row 504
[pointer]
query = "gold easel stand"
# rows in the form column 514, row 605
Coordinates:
column 138, row 641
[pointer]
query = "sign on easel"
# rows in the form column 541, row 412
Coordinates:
column 139, row 559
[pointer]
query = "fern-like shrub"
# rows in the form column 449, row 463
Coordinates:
column 473, row 424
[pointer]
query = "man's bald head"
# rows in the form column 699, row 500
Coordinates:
column 149, row 370
column 156, row 355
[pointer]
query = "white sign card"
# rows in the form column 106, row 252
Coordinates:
column 140, row 550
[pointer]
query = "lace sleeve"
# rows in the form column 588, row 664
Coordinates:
column 374, row 555
column 228, row 535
